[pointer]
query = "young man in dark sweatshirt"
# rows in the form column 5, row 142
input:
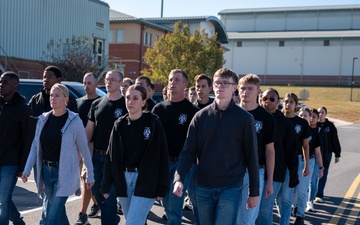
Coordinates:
column 222, row 138
column 16, row 134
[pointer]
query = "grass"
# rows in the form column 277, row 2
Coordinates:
column 335, row 99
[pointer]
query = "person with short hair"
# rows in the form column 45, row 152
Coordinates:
column 59, row 140
column 302, row 133
column 285, row 176
column 90, row 82
column 222, row 158
column 102, row 115
column 192, row 94
column 175, row 115
column 249, row 89
column 203, row 85
column 127, row 82
column 40, row 103
column 146, row 83
column 186, row 93
column 16, row 129
column 332, row 147
column 137, row 161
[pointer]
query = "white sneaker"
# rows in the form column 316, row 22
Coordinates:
column 319, row 200
column 309, row 207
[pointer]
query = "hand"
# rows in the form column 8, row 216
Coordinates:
column 321, row 173
column 252, row 202
column 306, row 171
column 268, row 189
column 337, row 159
column 178, row 188
column 106, row 195
column 89, row 185
column 24, row 177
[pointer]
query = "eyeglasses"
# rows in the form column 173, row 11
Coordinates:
column 224, row 84
column 264, row 99
column 111, row 80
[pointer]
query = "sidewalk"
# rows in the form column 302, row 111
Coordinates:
column 339, row 123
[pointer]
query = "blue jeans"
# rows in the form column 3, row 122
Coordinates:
column 107, row 206
column 7, row 184
column 217, row 206
column 248, row 216
column 53, row 209
column 284, row 200
column 300, row 194
column 172, row 203
column 135, row 208
column 322, row 181
column 15, row 216
column 265, row 216
column 314, row 182
column 191, row 192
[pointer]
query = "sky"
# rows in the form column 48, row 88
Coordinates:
column 178, row 8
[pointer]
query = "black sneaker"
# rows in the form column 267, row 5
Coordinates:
column 82, row 219
column 118, row 219
column 119, row 210
column 94, row 212
column 299, row 221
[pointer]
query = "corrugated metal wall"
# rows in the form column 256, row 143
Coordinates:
column 27, row 26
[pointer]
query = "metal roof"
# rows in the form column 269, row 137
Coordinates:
column 342, row 34
column 288, row 9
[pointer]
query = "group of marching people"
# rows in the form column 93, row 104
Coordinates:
column 235, row 156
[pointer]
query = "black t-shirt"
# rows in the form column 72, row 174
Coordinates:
column 265, row 130
column 50, row 137
column 104, row 113
column 200, row 106
column 135, row 139
column 150, row 104
column 314, row 140
column 84, row 105
column 175, row 118
column 302, row 131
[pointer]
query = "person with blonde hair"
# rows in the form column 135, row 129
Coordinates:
column 59, row 140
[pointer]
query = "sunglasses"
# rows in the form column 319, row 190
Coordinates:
column 271, row 99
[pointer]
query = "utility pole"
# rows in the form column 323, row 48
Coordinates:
column 352, row 78
column 162, row 8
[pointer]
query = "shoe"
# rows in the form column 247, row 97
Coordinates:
column 119, row 210
column 299, row 221
column 319, row 200
column 164, row 217
column 94, row 212
column 187, row 204
column 309, row 207
column 118, row 220
column 82, row 219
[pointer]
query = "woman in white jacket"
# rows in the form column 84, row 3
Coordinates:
column 59, row 137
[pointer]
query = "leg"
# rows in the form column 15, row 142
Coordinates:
column 206, row 205
column 227, row 206
column 138, row 210
column 191, row 191
column 267, row 204
column 7, row 184
column 322, row 181
column 57, row 213
column 15, row 216
column 284, row 200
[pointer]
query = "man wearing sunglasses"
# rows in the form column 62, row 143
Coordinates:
column 222, row 139
column 249, row 90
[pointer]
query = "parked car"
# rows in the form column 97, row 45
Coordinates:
column 30, row 87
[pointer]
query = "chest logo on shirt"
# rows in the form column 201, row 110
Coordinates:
column 258, row 126
column 147, row 133
column 327, row 129
column 297, row 128
column 182, row 119
column 117, row 113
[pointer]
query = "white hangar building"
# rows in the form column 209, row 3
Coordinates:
column 26, row 28
column 295, row 45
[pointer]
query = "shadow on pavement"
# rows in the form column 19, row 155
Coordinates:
column 25, row 199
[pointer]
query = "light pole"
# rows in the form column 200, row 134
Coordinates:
column 352, row 78
column 162, row 8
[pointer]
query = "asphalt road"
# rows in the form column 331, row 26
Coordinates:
column 341, row 206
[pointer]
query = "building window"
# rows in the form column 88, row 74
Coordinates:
column 149, row 36
column 145, row 38
column 326, row 42
column 239, row 44
column 119, row 36
column 111, row 36
column 98, row 50
column 281, row 43
column 99, row 25
column 157, row 38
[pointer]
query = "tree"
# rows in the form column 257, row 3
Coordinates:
column 74, row 56
column 195, row 54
